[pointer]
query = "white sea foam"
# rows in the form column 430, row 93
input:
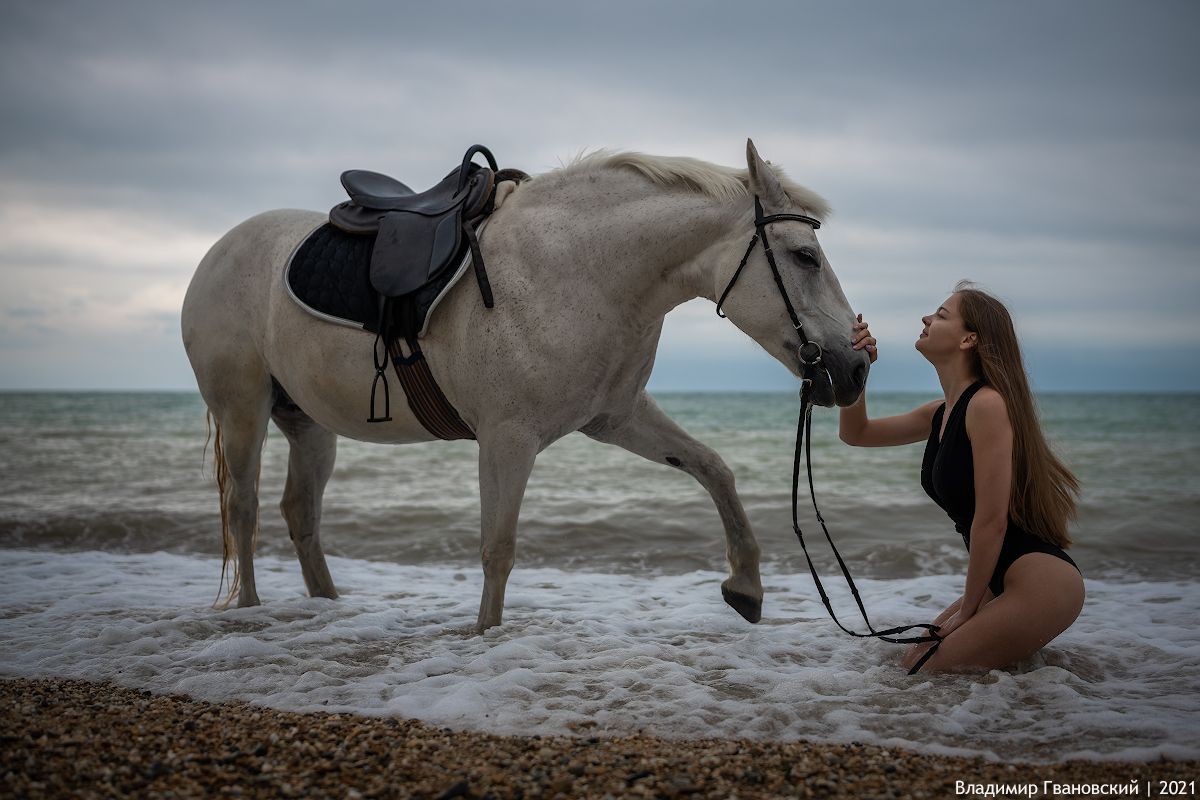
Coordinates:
column 607, row 654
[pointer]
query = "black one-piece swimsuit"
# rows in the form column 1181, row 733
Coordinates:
column 948, row 476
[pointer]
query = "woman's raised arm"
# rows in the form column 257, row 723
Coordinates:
column 858, row 430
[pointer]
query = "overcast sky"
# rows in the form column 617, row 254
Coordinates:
column 1049, row 151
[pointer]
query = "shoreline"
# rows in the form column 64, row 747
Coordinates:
column 70, row 738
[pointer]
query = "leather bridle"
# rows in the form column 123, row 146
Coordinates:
column 810, row 363
column 810, row 351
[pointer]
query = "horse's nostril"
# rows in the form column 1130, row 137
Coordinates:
column 860, row 374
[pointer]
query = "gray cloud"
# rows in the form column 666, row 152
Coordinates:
column 1048, row 150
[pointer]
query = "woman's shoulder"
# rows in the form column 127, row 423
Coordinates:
column 930, row 411
column 987, row 411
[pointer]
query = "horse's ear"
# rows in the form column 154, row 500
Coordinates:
column 763, row 181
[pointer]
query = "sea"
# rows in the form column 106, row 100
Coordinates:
column 110, row 563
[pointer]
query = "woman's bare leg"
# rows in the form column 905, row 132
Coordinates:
column 1042, row 597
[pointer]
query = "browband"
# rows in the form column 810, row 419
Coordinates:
column 760, row 221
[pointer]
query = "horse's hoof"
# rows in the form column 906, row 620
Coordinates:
column 749, row 607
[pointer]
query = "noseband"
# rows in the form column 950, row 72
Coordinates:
column 810, row 363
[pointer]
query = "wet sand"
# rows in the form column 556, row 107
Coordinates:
column 65, row 738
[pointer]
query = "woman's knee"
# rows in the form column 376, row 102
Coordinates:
column 1011, row 628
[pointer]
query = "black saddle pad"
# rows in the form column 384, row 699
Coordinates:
column 330, row 275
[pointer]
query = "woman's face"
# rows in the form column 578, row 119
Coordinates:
column 943, row 331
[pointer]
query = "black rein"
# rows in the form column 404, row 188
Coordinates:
column 810, row 360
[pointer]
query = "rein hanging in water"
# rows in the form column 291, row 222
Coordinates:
column 810, row 363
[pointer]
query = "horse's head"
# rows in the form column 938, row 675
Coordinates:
column 759, row 297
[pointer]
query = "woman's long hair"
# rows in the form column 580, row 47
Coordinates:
column 1043, row 490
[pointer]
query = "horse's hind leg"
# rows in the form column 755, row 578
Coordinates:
column 653, row 435
column 310, row 463
column 241, row 428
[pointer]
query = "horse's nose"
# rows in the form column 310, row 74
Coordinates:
column 859, row 374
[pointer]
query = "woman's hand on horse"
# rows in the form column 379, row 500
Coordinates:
column 862, row 338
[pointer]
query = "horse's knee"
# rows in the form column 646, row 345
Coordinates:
column 301, row 535
column 719, row 472
column 498, row 561
column 710, row 469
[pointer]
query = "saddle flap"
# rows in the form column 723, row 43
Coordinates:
column 411, row 249
column 373, row 189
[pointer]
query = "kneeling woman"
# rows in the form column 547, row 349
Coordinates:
column 988, row 466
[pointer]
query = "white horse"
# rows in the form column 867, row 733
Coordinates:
column 585, row 262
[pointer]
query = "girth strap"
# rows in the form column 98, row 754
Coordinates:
column 425, row 397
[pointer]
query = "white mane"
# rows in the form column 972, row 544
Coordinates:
column 723, row 183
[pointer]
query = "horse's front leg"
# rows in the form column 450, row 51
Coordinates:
column 653, row 435
column 505, row 460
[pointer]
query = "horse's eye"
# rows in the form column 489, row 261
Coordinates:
column 807, row 258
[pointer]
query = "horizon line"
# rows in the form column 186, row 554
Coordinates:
column 1114, row 390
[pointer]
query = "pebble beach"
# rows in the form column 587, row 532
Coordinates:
column 69, row 738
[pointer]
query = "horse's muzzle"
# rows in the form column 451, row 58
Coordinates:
column 822, row 387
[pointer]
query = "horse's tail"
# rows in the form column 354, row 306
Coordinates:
column 231, row 581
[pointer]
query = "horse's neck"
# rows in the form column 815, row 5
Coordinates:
column 648, row 248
